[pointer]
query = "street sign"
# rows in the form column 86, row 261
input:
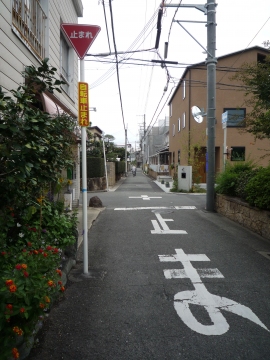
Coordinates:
column 224, row 119
column 83, row 116
column 80, row 36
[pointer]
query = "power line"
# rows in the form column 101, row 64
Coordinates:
column 117, row 70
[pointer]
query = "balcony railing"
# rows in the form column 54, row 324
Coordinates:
column 29, row 19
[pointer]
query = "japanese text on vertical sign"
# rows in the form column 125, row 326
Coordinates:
column 83, row 104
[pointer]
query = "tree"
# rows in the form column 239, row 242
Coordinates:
column 34, row 146
column 256, row 79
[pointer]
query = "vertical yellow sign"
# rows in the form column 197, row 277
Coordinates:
column 83, row 97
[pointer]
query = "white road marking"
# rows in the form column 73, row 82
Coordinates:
column 145, row 197
column 201, row 296
column 164, row 229
column 157, row 208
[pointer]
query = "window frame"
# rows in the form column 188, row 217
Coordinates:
column 233, row 148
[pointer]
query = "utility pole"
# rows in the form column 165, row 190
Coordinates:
column 126, row 152
column 210, row 10
column 211, row 62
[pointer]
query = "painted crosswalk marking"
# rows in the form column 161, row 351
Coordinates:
column 213, row 304
column 162, row 227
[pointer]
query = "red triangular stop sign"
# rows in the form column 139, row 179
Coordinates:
column 81, row 36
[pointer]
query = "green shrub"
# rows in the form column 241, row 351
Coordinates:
column 228, row 181
column 95, row 167
column 258, row 189
column 119, row 167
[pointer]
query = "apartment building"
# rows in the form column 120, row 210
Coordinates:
column 188, row 133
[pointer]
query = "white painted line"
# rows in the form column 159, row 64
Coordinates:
column 145, row 197
column 145, row 208
column 185, row 207
column 164, row 229
column 157, row 208
column 203, row 273
column 213, row 304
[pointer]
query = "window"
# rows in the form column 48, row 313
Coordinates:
column 178, row 157
column 238, row 153
column 236, row 117
column 173, row 130
column 64, row 59
column 184, row 120
column 179, row 124
column 184, row 89
column 29, row 23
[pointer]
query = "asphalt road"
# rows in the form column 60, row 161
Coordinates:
column 167, row 280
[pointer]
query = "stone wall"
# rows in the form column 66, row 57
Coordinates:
column 245, row 215
column 94, row 184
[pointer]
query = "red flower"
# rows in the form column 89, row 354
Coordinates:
column 15, row 353
column 18, row 266
column 25, row 274
column 59, row 272
column 22, row 310
column 60, row 283
column 62, row 288
column 12, row 288
column 29, row 243
column 9, row 282
column 41, row 305
column 24, row 250
column 33, row 229
column 45, row 254
column 24, row 266
column 40, row 250
column 3, row 253
column 50, row 283
column 9, row 306
column 55, row 250
column 35, row 252
column 49, row 247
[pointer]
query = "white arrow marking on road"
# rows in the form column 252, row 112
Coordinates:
column 201, row 296
column 165, row 229
column 145, row 197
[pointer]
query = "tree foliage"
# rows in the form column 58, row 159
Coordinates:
column 34, row 146
column 256, row 79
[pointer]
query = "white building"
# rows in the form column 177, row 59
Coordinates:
column 29, row 32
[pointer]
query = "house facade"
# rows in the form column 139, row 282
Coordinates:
column 188, row 132
column 30, row 31
column 157, row 148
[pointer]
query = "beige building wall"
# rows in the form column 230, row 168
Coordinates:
column 15, row 55
column 185, row 132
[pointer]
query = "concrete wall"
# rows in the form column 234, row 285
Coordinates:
column 245, row 215
column 111, row 173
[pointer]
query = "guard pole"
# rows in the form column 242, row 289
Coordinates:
column 105, row 163
column 211, row 62
column 84, row 185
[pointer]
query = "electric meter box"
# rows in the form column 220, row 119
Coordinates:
column 184, row 178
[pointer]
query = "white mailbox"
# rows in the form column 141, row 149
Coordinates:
column 184, row 178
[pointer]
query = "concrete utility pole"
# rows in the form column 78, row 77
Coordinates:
column 125, row 152
column 210, row 10
column 211, row 62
